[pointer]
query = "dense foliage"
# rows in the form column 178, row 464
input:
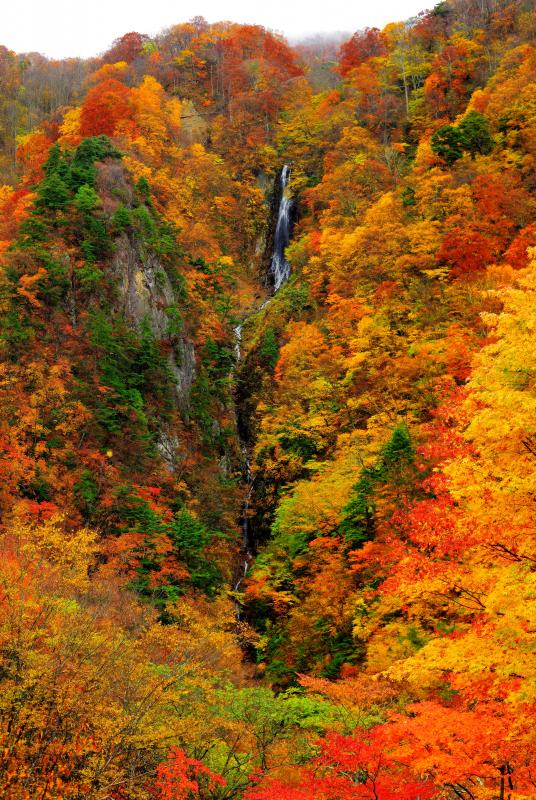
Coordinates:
column 381, row 644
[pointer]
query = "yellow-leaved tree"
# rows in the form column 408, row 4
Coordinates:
column 94, row 691
column 496, row 484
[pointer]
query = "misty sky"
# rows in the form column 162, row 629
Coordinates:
column 59, row 28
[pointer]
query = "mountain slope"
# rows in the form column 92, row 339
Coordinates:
column 381, row 643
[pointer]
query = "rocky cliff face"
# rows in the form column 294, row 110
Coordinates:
column 146, row 293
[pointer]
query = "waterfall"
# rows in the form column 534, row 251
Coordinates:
column 280, row 268
column 238, row 342
column 280, row 273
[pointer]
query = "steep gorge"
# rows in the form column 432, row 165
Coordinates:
column 278, row 236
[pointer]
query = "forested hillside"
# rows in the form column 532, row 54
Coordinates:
column 267, row 512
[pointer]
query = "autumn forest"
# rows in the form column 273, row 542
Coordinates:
column 268, row 414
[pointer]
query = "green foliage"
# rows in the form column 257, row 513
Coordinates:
column 122, row 218
column 86, row 199
column 38, row 489
column 89, row 275
column 271, row 720
column 408, row 197
column 200, row 403
column 211, row 391
column 56, row 282
column 448, row 144
column 218, row 361
column 472, row 135
column 342, row 650
column 175, row 320
column 398, row 457
column 269, row 348
column 476, row 135
column 414, row 636
column 298, row 297
column 394, row 469
column 70, row 176
column 56, row 164
column 298, row 442
column 144, row 221
column 183, row 538
column 53, row 193
column 165, row 243
column 357, row 525
column 191, row 540
column 398, row 451
column 441, row 9
column 33, row 230
column 144, row 188
column 82, row 169
column 87, row 493
column 130, row 365
column 15, row 333
column 160, row 236
column 68, row 187
column 272, row 715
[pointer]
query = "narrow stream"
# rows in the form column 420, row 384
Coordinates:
column 279, row 274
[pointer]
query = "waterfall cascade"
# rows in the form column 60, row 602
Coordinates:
column 280, row 268
column 280, row 273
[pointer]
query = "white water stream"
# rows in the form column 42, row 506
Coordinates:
column 280, row 268
column 280, row 273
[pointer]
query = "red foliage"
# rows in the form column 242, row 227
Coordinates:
column 181, row 777
column 449, row 83
column 516, row 255
column 126, row 48
column 356, row 767
column 32, row 155
column 106, row 105
column 466, row 251
column 363, row 45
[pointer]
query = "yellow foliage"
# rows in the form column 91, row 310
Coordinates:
column 496, row 486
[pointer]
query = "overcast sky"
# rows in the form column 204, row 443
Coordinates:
column 59, row 28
